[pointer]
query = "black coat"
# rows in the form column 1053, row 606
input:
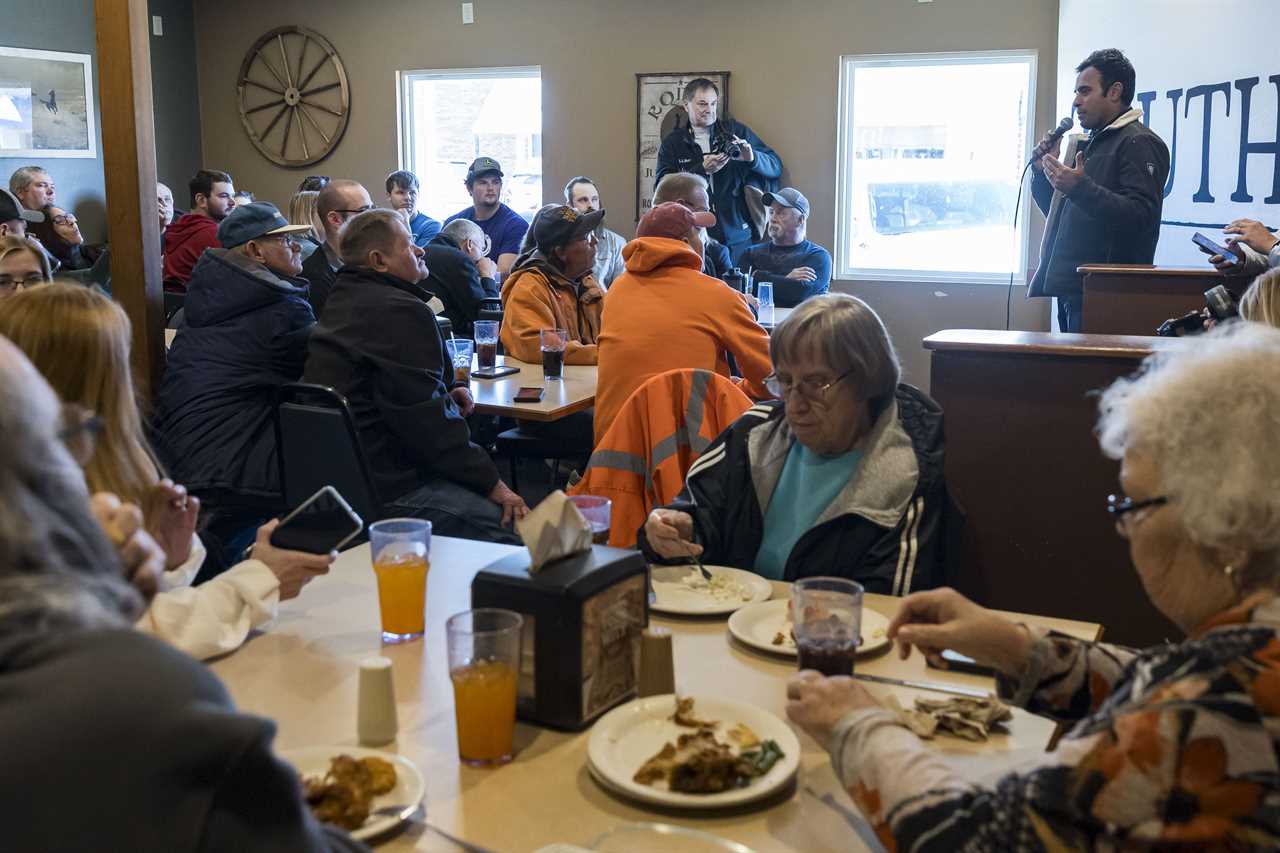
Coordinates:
column 244, row 334
column 1110, row 217
column 380, row 347
column 869, row 540
column 453, row 277
column 734, row 228
column 316, row 270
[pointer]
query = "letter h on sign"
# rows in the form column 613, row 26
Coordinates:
column 1246, row 147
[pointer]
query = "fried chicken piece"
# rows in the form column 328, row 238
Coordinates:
column 338, row 803
column 684, row 715
column 382, row 774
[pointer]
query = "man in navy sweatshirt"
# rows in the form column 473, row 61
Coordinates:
column 798, row 268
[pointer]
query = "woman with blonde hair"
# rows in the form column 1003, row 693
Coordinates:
column 79, row 340
column 22, row 264
column 302, row 211
column 1261, row 301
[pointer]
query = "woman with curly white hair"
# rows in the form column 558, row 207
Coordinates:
column 1173, row 746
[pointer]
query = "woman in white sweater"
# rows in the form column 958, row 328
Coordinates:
column 79, row 340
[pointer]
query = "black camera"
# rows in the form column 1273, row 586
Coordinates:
column 722, row 142
column 1220, row 304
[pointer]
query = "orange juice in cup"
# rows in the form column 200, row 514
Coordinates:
column 484, row 660
column 401, row 559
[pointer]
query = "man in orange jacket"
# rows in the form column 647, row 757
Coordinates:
column 664, row 314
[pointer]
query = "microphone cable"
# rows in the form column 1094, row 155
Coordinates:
column 1017, row 204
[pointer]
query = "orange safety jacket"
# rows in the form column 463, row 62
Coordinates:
column 660, row 430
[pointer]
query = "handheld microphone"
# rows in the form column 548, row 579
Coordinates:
column 1054, row 135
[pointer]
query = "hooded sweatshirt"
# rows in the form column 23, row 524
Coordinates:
column 538, row 296
column 664, row 314
column 184, row 242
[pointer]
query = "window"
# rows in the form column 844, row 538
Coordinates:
column 449, row 118
column 930, row 151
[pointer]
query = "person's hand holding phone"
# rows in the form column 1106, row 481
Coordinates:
column 143, row 560
column 170, row 516
column 294, row 569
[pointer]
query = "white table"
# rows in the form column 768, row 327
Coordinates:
column 572, row 393
column 303, row 673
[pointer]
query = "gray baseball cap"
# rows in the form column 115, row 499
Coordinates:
column 788, row 197
column 11, row 209
column 483, row 166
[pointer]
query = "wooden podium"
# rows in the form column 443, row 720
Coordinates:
column 1023, row 462
column 1132, row 299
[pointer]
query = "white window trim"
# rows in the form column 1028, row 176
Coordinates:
column 404, row 97
column 845, row 160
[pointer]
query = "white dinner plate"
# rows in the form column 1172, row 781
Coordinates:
column 629, row 735
column 674, row 595
column 410, row 787
column 758, row 625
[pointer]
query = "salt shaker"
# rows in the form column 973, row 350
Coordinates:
column 657, row 666
column 376, row 711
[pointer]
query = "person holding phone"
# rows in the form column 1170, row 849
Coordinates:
column 1258, row 247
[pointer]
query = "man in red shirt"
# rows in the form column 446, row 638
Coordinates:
column 212, row 198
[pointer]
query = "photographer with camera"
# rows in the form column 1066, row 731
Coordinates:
column 729, row 155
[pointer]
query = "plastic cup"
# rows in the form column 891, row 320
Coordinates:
column 460, row 351
column 597, row 512
column 553, row 345
column 484, row 666
column 828, row 623
column 764, row 293
column 486, row 344
column 401, row 550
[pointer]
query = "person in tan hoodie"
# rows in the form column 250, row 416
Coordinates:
column 663, row 314
column 551, row 287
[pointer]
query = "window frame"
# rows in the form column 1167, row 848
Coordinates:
column 845, row 164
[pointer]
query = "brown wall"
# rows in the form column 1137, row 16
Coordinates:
column 784, row 60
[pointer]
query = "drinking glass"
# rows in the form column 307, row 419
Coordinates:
column 553, row 344
column 401, row 550
column 484, row 666
column 486, row 344
column 597, row 512
column 764, row 293
column 828, row 623
column 460, row 350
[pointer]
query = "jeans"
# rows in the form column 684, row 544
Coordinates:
column 1070, row 312
column 457, row 511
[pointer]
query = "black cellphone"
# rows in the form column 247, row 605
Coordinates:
column 495, row 373
column 529, row 394
column 1211, row 248
column 322, row 523
column 962, row 663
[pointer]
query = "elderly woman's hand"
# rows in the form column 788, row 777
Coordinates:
column 171, row 515
column 670, row 533
column 944, row 619
column 816, row 703
column 294, row 569
column 142, row 558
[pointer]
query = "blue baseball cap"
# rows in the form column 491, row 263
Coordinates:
column 251, row 221
column 788, row 197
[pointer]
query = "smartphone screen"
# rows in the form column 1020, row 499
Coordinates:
column 529, row 394
column 1213, row 248
column 323, row 523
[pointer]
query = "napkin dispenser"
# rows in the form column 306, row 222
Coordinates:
column 583, row 617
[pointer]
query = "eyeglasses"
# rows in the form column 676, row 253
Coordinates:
column 8, row 282
column 286, row 240
column 811, row 389
column 80, row 430
column 353, row 212
column 1122, row 508
column 65, row 219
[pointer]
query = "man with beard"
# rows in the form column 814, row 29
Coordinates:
column 581, row 194
column 502, row 225
column 212, row 198
column 797, row 267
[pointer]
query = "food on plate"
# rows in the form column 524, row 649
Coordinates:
column 721, row 587
column 962, row 717
column 344, row 794
column 700, row 763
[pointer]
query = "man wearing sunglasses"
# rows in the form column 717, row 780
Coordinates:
column 338, row 201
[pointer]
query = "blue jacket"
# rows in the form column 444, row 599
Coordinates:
column 424, row 229
column 244, row 334
column 772, row 263
column 734, row 228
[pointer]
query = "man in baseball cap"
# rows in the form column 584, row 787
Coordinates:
column 797, row 267
column 503, row 226
column 14, row 217
column 665, row 314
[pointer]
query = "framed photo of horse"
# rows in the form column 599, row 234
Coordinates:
column 46, row 104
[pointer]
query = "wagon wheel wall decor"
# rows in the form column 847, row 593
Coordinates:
column 293, row 95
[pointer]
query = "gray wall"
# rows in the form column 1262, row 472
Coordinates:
column 783, row 57
column 176, row 92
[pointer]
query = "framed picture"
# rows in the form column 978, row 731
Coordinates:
column 46, row 104
column 658, row 112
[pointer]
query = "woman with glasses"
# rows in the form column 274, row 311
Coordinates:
column 60, row 235
column 1173, row 747
column 79, row 340
column 840, row 476
column 22, row 265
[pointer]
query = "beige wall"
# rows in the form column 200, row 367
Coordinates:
column 783, row 58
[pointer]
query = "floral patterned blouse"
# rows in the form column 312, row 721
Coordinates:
column 1174, row 746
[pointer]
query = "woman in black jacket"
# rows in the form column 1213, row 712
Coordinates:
column 61, row 237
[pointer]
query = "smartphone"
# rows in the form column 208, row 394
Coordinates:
column 1211, row 248
column 529, row 394
column 323, row 522
column 961, row 663
column 494, row 373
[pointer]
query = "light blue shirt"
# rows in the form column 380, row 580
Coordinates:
column 807, row 486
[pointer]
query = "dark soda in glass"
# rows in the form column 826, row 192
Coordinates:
column 486, row 355
column 828, row 655
column 552, row 363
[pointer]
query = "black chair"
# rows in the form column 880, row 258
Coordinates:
column 516, row 444
column 445, row 324
column 173, row 303
column 319, row 446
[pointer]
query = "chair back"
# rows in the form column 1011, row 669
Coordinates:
column 319, row 446
column 173, row 302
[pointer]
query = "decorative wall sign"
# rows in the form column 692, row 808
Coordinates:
column 46, row 104
column 658, row 112
column 294, row 98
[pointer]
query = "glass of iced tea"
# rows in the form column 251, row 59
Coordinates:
column 460, row 350
column 486, row 344
column 484, row 665
column 597, row 513
column 401, row 550
column 828, row 623
column 553, row 344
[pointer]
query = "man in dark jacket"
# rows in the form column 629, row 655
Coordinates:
column 460, row 273
column 380, row 347
column 728, row 154
column 244, row 334
column 337, row 202
column 1105, row 208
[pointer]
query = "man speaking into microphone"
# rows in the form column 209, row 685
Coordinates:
column 1104, row 207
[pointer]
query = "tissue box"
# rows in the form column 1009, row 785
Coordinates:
column 583, row 618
